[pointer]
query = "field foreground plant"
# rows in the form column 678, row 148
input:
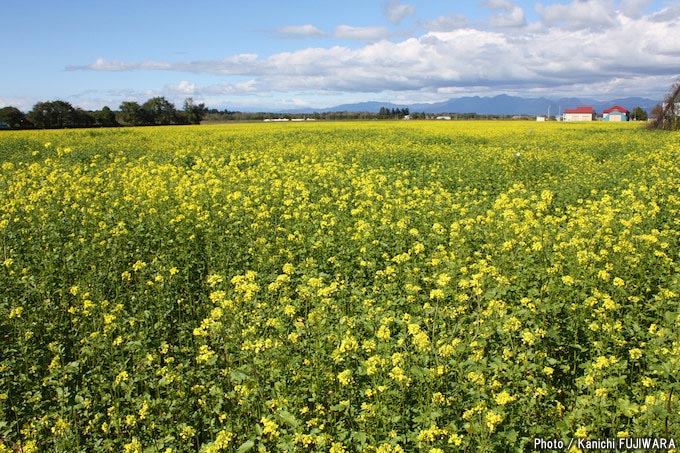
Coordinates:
column 346, row 287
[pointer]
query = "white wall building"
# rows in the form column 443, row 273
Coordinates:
column 582, row 113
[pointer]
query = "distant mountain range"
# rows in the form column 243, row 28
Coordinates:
column 496, row 105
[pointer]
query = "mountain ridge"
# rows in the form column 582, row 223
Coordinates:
column 502, row 104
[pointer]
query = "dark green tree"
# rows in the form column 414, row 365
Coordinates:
column 638, row 114
column 54, row 114
column 160, row 111
column 132, row 113
column 81, row 118
column 12, row 117
column 194, row 112
column 105, row 118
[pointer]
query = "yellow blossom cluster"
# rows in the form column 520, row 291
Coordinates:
column 375, row 287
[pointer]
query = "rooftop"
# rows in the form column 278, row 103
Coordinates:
column 616, row 108
column 580, row 109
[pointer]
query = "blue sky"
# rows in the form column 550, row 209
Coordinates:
column 282, row 54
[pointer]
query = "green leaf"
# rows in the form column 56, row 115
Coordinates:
column 72, row 367
column 359, row 437
column 238, row 376
column 245, row 446
column 289, row 419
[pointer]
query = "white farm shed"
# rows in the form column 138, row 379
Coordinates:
column 582, row 113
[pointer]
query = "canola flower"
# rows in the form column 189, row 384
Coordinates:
column 347, row 287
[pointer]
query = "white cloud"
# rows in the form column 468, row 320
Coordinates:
column 579, row 14
column 633, row 8
column 113, row 65
column 175, row 93
column 245, row 88
column 499, row 4
column 227, row 66
column 514, row 17
column 445, row 23
column 361, row 33
column 22, row 103
column 671, row 13
column 628, row 57
column 507, row 14
column 300, row 31
column 396, row 12
column 184, row 87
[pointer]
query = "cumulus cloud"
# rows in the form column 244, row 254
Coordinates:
column 514, row 17
column 445, row 23
column 633, row 8
column 507, row 14
column 447, row 59
column 361, row 33
column 671, row 13
column 396, row 12
column 300, row 31
column 579, row 14
column 184, row 87
column 506, row 5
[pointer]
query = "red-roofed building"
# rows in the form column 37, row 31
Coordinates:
column 616, row 113
column 582, row 113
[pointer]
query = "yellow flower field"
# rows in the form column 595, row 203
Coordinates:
column 373, row 287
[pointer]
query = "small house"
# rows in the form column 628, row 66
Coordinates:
column 616, row 113
column 582, row 113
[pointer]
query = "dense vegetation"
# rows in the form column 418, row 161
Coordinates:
column 61, row 115
column 338, row 287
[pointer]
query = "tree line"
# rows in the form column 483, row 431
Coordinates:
column 222, row 116
column 385, row 113
column 61, row 114
column 159, row 111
